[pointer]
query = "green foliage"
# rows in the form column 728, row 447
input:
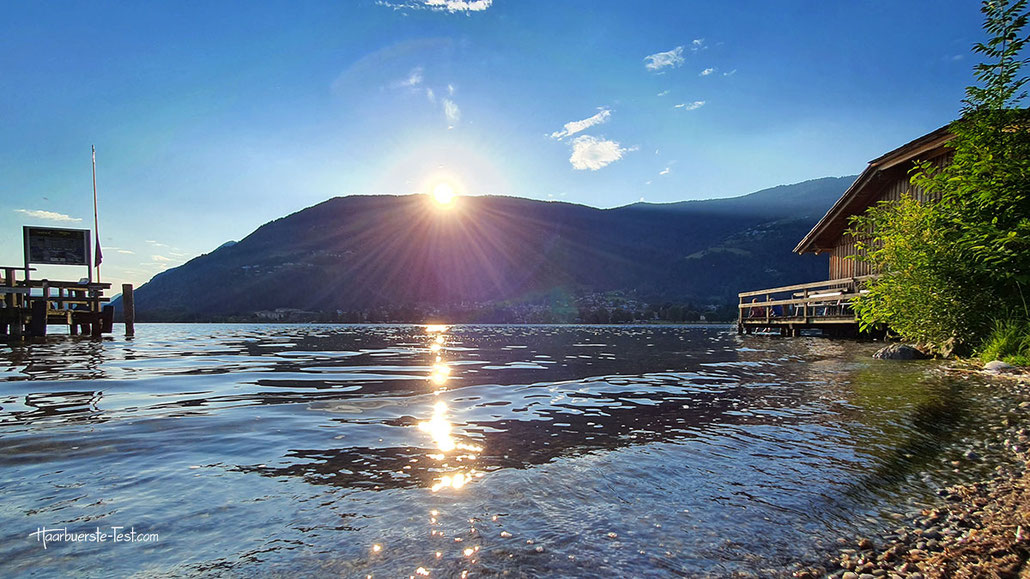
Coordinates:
column 926, row 292
column 1002, row 85
column 1008, row 341
column 949, row 266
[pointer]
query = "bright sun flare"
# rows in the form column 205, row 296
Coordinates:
column 443, row 194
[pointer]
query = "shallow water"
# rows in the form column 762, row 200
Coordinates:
column 406, row 450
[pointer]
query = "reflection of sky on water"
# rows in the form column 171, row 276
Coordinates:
column 386, row 449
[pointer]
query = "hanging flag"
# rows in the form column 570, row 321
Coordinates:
column 98, row 256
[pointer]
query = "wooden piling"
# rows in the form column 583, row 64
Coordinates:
column 37, row 323
column 128, row 310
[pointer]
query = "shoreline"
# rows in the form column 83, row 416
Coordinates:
column 979, row 529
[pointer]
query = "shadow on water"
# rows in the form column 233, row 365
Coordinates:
column 937, row 417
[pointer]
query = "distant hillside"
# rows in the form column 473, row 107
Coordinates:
column 366, row 252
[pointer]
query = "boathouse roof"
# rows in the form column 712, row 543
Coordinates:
column 868, row 187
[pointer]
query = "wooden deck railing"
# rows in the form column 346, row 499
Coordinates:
column 801, row 305
column 27, row 306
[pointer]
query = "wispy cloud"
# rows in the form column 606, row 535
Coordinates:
column 593, row 153
column 660, row 60
column 573, row 127
column 665, row 171
column 127, row 251
column 431, row 95
column 48, row 215
column 440, row 5
column 697, row 44
column 161, row 258
column 707, row 72
column 690, row 106
column 413, row 79
column 451, row 111
column 459, row 5
column 730, row 73
column 663, row 93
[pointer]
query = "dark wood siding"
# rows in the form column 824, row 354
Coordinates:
column 841, row 264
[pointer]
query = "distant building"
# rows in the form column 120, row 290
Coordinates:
column 885, row 179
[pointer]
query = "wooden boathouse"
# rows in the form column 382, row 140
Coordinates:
column 826, row 305
column 28, row 306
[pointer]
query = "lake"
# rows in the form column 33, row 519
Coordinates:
column 434, row 451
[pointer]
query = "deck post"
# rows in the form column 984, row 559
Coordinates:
column 128, row 310
column 17, row 324
column 37, row 324
column 10, row 299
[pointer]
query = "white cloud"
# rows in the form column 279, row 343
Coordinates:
column 730, row 73
column 161, row 258
column 126, row 251
column 660, row 60
column 665, row 171
column 698, row 44
column 450, row 89
column 690, row 106
column 451, row 111
column 459, row 5
column 413, row 79
column 431, row 95
column 440, row 5
column 48, row 215
column 593, row 153
column 707, row 72
column 663, row 93
column 573, row 127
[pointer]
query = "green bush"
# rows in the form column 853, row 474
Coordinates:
column 946, row 266
column 1009, row 341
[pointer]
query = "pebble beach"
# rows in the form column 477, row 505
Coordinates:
column 979, row 529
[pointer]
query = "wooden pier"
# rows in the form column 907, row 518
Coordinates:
column 789, row 310
column 29, row 306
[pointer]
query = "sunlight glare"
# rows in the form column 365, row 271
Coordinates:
column 443, row 193
column 439, row 428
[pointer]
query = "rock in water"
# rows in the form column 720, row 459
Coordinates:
column 998, row 367
column 899, row 352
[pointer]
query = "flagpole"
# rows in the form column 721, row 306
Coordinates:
column 96, row 217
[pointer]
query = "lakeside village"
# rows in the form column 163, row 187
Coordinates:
column 615, row 307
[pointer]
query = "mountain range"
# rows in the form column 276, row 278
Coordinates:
column 367, row 252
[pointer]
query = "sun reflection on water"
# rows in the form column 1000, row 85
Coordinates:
column 455, row 459
column 440, row 374
column 439, row 427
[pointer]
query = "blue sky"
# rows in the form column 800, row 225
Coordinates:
column 211, row 118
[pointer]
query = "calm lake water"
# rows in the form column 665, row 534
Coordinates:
column 406, row 450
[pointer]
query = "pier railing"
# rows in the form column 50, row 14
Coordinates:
column 792, row 308
column 28, row 306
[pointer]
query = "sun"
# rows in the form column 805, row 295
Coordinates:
column 443, row 194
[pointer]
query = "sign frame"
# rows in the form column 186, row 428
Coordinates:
column 57, row 246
